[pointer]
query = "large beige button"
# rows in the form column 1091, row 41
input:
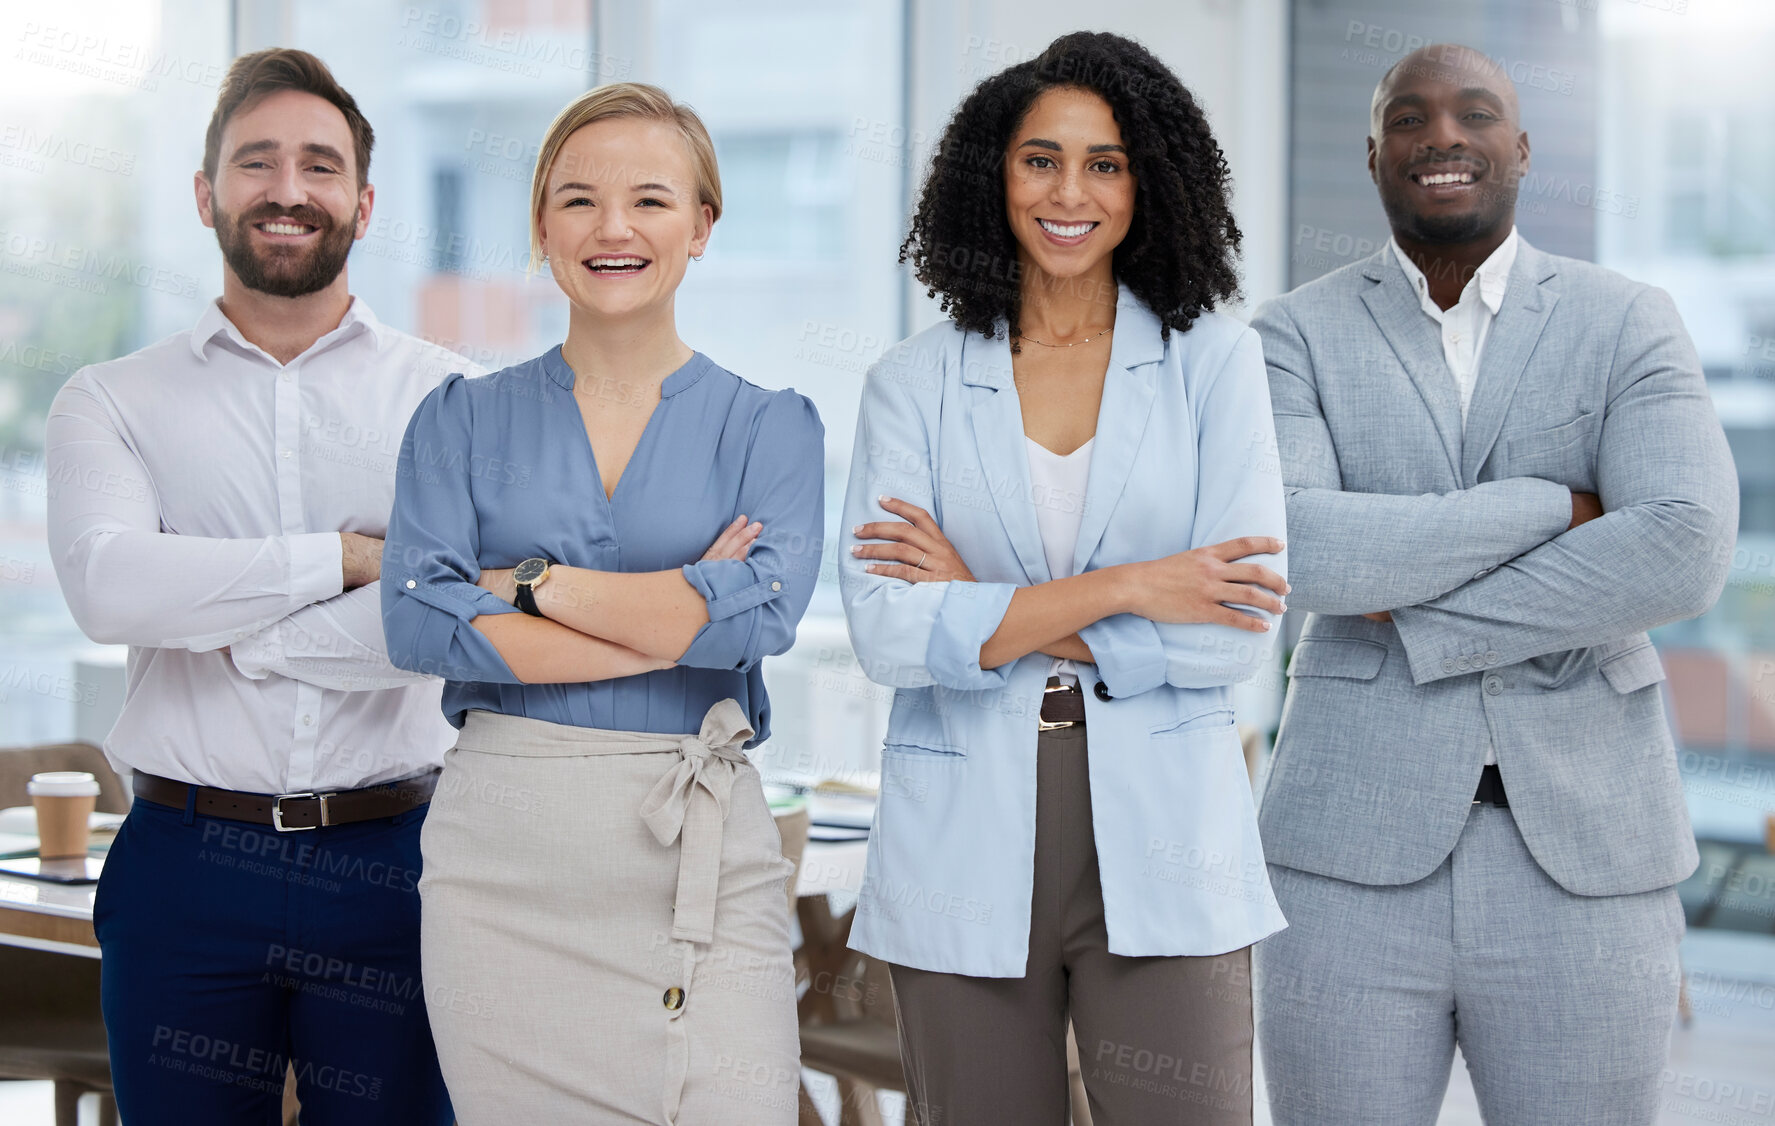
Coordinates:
column 674, row 999
column 411, row 584
column 776, row 586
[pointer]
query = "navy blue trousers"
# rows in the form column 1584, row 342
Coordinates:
column 232, row 951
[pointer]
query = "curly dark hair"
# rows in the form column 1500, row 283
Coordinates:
column 1178, row 253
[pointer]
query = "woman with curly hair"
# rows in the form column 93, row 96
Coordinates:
column 1058, row 501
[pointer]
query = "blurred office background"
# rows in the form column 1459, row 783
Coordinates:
column 1652, row 155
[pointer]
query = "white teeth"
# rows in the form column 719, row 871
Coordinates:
column 285, row 229
column 1430, row 179
column 1067, row 230
column 616, row 263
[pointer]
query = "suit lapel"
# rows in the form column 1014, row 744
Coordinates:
column 1508, row 345
column 997, row 418
column 1128, row 391
column 1415, row 340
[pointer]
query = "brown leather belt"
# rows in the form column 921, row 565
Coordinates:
column 1063, row 705
column 290, row 812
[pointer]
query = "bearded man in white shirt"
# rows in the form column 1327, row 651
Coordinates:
column 217, row 503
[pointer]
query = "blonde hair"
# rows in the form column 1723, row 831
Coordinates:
column 623, row 99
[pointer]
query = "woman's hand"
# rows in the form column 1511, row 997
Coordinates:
column 735, row 540
column 1193, row 586
column 499, row 581
column 917, row 550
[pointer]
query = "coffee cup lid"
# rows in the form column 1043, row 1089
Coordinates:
column 63, row 784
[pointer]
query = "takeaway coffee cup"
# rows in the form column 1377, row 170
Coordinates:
column 64, row 800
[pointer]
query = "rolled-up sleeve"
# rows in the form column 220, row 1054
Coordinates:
column 1238, row 493
column 909, row 635
column 755, row 603
column 430, row 560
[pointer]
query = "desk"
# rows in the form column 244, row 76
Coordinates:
column 829, row 867
column 58, row 917
column 47, row 916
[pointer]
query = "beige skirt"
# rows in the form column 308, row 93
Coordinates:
column 605, row 936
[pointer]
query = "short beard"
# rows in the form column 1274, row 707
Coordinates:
column 280, row 271
column 1444, row 230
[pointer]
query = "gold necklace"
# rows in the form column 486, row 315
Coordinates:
column 1074, row 344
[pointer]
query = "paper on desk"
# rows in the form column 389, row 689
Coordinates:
column 847, row 811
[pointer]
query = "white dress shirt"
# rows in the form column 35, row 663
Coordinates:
column 1466, row 324
column 1057, row 488
column 197, row 489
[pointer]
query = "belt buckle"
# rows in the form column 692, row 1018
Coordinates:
column 277, row 812
column 1042, row 724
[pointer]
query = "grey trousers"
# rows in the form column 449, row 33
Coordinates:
column 1562, row 1004
column 1161, row 1040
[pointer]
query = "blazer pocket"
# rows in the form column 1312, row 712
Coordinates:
column 1351, row 657
column 1635, row 669
column 1208, row 719
column 1541, row 445
column 922, row 750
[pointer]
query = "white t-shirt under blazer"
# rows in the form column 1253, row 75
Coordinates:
column 1057, row 489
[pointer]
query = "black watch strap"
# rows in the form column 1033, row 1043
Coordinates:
column 525, row 600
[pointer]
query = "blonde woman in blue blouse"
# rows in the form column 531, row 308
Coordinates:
column 604, row 932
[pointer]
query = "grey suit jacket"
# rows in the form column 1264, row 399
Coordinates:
column 1505, row 625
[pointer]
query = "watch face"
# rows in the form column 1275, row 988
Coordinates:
column 529, row 570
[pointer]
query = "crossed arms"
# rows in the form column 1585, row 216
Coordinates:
column 1186, row 619
column 1507, row 566
column 303, row 606
column 447, row 615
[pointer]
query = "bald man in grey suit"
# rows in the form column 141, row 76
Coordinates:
column 1502, row 467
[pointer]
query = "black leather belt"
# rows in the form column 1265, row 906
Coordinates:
column 290, row 812
column 1063, row 705
column 1491, row 788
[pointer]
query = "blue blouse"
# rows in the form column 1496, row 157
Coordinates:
column 498, row 469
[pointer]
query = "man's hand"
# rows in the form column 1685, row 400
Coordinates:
column 1585, row 508
column 360, row 558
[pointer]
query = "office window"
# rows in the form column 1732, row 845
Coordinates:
column 101, row 252
column 1717, row 169
column 784, row 196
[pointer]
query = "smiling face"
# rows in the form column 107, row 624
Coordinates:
column 1069, row 191
column 1445, row 148
column 620, row 218
column 285, row 204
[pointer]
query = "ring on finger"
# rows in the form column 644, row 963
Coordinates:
column 920, row 564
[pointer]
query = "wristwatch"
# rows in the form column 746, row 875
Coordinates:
column 529, row 575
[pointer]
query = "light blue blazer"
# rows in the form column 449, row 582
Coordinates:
column 1185, row 456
